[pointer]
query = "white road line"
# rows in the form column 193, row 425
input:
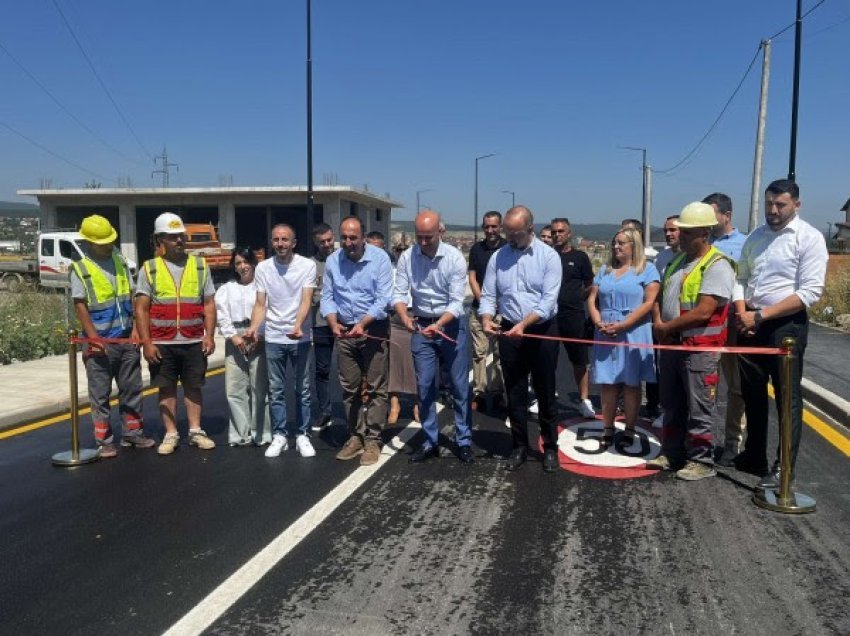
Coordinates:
column 234, row 587
column 222, row 598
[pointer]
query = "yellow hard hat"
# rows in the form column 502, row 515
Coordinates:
column 697, row 214
column 97, row 229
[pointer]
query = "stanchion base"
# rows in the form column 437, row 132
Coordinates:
column 797, row 503
column 85, row 456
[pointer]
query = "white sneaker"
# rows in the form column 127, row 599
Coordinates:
column 278, row 445
column 533, row 407
column 305, row 448
column 585, row 407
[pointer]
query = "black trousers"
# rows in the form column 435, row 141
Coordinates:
column 521, row 357
column 756, row 370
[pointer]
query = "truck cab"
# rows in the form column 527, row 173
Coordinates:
column 56, row 252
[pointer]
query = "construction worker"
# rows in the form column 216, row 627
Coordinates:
column 175, row 312
column 693, row 310
column 102, row 287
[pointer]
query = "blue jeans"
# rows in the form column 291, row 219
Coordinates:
column 277, row 358
column 428, row 355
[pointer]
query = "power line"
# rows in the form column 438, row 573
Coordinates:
column 53, row 154
column 791, row 26
column 831, row 26
column 63, row 108
column 717, row 120
column 100, row 81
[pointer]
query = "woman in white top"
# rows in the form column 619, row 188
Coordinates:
column 245, row 375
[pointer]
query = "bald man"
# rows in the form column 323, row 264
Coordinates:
column 522, row 283
column 434, row 274
column 356, row 290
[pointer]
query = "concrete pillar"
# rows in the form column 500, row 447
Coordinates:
column 227, row 224
column 48, row 216
column 127, row 230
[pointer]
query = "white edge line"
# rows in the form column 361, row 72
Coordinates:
column 217, row 602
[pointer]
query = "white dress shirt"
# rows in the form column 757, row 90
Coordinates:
column 776, row 264
column 434, row 285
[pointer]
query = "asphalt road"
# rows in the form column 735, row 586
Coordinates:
column 131, row 545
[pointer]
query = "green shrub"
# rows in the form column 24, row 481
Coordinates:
column 32, row 325
column 835, row 300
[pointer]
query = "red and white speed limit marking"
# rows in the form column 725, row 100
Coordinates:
column 579, row 452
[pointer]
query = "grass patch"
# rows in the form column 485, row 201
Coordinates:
column 835, row 301
column 32, row 325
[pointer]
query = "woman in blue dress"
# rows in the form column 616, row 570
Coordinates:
column 620, row 304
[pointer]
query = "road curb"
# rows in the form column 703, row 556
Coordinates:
column 826, row 401
column 62, row 406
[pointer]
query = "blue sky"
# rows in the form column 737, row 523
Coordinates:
column 406, row 94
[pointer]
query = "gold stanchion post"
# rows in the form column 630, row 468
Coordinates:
column 75, row 456
column 785, row 499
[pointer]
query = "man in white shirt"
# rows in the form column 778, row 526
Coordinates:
column 285, row 286
column 780, row 274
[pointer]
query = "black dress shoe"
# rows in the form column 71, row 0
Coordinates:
column 550, row 460
column 424, row 453
column 517, row 459
column 746, row 464
column 465, row 455
column 773, row 480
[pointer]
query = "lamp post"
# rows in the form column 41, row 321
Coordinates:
column 477, row 159
column 644, row 217
column 513, row 197
column 418, row 192
column 795, row 99
column 309, row 116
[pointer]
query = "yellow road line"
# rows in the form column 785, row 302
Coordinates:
column 828, row 432
column 26, row 428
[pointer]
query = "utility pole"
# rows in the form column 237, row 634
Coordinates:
column 647, row 202
column 795, row 100
column 165, row 170
column 309, row 115
column 755, row 195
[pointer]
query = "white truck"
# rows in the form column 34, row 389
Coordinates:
column 55, row 253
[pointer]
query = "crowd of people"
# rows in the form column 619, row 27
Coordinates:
column 398, row 322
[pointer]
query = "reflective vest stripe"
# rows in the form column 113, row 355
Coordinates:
column 176, row 308
column 715, row 332
column 110, row 306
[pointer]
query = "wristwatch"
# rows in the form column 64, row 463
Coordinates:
column 757, row 319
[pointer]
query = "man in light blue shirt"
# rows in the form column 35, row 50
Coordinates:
column 434, row 274
column 356, row 288
column 730, row 241
column 522, row 283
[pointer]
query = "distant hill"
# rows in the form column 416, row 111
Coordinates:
column 13, row 208
column 591, row 231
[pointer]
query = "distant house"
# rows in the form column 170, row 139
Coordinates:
column 842, row 228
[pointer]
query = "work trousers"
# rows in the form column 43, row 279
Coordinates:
column 481, row 346
column 359, row 359
column 521, row 357
column 121, row 363
column 278, row 357
column 323, row 347
column 688, row 384
column 736, row 421
column 431, row 354
column 756, row 370
column 246, row 385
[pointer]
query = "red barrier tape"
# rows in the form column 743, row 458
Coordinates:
column 775, row 351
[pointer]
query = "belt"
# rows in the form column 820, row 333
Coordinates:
column 242, row 323
column 426, row 320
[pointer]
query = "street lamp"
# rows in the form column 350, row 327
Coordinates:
column 513, row 196
column 477, row 159
column 309, row 113
column 418, row 192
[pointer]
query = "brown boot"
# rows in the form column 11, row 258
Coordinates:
column 371, row 454
column 395, row 409
column 353, row 447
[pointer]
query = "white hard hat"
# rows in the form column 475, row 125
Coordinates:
column 168, row 223
column 697, row 214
